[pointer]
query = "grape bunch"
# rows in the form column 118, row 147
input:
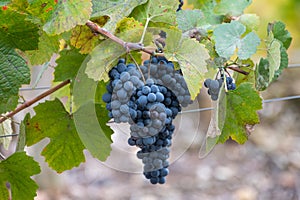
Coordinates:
column 124, row 79
column 163, row 73
column 152, row 130
column 214, row 86
column 149, row 108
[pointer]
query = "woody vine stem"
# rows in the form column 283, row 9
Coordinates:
column 129, row 46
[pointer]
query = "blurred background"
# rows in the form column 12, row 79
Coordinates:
column 267, row 167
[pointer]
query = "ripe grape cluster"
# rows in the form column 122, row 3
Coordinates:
column 149, row 108
column 215, row 85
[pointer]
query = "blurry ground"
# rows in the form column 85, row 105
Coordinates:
column 267, row 167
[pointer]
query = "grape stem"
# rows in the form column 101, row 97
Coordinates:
column 144, row 31
column 138, row 67
column 129, row 46
column 36, row 99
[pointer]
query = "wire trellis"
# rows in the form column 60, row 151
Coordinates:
column 186, row 111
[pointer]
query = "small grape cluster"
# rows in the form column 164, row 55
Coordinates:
column 214, row 86
column 124, row 80
column 149, row 108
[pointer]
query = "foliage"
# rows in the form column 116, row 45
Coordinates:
column 214, row 35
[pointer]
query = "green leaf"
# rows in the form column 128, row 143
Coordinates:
column 102, row 58
column 48, row 45
column 232, row 8
column 228, row 38
column 189, row 19
column 17, row 32
column 66, row 15
column 273, row 55
column 39, row 11
column 262, row 72
column 241, row 111
column 65, row 149
column 251, row 21
column 17, row 170
column 13, row 73
column 21, row 138
column 247, row 46
column 115, row 9
column 127, row 23
column 108, row 52
column 82, row 38
column 68, row 65
column 247, row 66
column 191, row 56
column 6, row 129
column 279, row 32
column 207, row 7
column 284, row 62
column 82, row 99
column 157, row 11
column 101, row 111
column 94, row 135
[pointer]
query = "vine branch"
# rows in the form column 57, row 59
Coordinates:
column 36, row 99
column 129, row 46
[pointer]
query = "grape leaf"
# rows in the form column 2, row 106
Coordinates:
column 279, row 32
column 65, row 149
column 17, row 32
column 68, row 65
column 82, row 38
column 207, row 7
column 273, row 55
column 82, row 97
column 191, row 56
column 284, row 62
column 94, row 135
column 48, row 45
column 262, row 72
column 101, row 111
column 39, row 11
column 108, row 52
column 115, row 9
column 17, row 170
column 247, row 46
column 189, row 19
column 126, row 24
column 251, row 21
column 102, row 58
column 232, row 8
column 21, row 138
column 241, row 110
column 13, row 73
column 228, row 38
column 157, row 11
column 5, row 129
column 66, row 15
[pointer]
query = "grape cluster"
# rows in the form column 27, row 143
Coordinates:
column 149, row 108
column 215, row 85
column 152, row 130
column 124, row 79
column 163, row 72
